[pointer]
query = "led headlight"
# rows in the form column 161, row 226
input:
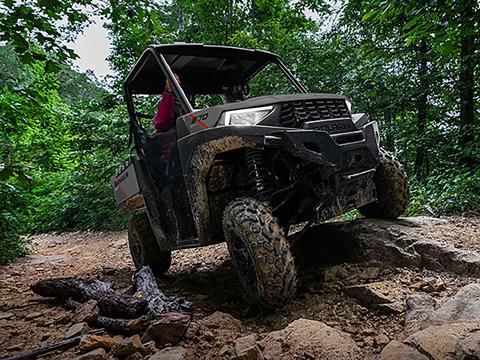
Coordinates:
column 349, row 105
column 250, row 116
column 376, row 131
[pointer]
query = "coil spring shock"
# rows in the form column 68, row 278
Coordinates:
column 257, row 173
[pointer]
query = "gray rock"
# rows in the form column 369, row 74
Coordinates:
column 33, row 315
column 370, row 273
column 169, row 353
column 443, row 341
column 368, row 295
column 418, row 305
column 312, row 337
column 464, row 305
column 378, row 295
column 86, row 312
column 97, row 354
column 170, row 328
column 389, row 242
column 380, row 341
column 127, row 346
column 396, row 350
column 471, row 346
column 246, row 349
column 334, row 273
column 395, row 307
column 441, row 257
column 134, row 356
column 221, row 320
column 6, row 315
column 77, row 329
column 149, row 348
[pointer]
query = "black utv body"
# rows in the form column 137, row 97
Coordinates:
column 244, row 172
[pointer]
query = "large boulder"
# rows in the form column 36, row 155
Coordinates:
column 397, row 350
column 310, row 337
column 452, row 331
column 463, row 306
column 446, row 342
column 394, row 243
column 417, row 307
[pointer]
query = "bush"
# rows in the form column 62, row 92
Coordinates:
column 448, row 191
column 11, row 244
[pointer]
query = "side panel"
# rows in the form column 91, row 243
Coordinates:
column 126, row 189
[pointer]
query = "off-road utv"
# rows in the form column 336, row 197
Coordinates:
column 245, row 171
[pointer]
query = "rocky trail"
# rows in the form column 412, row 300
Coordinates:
column 368, row 289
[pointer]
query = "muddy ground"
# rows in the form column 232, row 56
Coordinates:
column 204, row 277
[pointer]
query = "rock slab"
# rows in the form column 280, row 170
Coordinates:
column 309, row 337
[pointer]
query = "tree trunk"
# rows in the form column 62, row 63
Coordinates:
column 422, row 110
column 466, row 76
column 109, row 301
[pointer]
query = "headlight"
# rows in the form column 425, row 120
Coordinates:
column 349, row 105
column 376, row 131
column 250, row 116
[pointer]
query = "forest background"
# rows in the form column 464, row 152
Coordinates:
column 411, row 65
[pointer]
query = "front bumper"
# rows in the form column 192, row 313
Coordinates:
column 353, row 163
column 347, row 158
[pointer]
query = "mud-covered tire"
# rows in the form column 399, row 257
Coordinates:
column 391, row 184
column 144, row 248
column 260, row 253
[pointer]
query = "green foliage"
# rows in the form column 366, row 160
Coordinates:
column 452, row 191
column 63, row 135
column 81, row 196
column 11, row 244
column 38, row 29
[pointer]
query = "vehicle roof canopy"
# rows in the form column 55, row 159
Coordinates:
column 203, row 69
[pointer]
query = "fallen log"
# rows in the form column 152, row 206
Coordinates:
column 157, row 302
column 124, row 326
column 61, row 345
column 110, row 302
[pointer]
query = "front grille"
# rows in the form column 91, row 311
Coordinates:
column 295, row 113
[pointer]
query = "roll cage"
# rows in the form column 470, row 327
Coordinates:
column 213, row 67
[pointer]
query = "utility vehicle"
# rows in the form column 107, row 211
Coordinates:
column 247, row 169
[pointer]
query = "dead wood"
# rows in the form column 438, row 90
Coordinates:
column 124, row 326
column 157, row 302
column 61, row 345
column 110, row 302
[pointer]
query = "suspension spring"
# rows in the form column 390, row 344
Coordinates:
column 258, row 173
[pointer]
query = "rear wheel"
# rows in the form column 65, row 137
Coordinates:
column 144, row 248
column 391, row 184
column 260, row 252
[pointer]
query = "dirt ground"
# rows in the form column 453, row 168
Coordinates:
column 204, row 277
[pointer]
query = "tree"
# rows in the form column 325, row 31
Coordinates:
column 32, row 28
column 466, row 80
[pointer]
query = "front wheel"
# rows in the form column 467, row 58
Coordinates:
column 260, row 252
column 391, row 185
column 144, row 248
